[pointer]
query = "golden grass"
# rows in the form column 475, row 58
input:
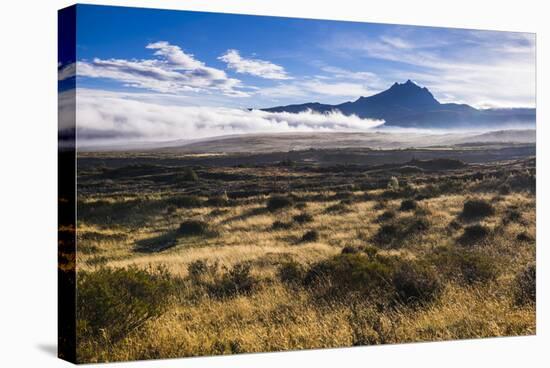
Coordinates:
column 278, row 318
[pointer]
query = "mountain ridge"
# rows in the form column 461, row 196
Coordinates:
column 409, row 105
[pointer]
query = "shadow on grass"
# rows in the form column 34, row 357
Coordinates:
column 157, row 243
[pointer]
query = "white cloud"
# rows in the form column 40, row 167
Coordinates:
column 256, row 67
column 475, row 67
column 175, row 71
column 110, row 117
column 317, row 88
column 66, row 71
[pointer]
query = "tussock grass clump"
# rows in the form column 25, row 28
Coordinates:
column 280, row 225
column 337, row 208
column 113, row 302
column 463, row 266
column 474, row 235
column 394, row 233
column 310, row 236
column 348, row 249
column 194, row 228
column 476, row 209
column 185, row 201
column 408, row 205
column 525, row 286
column 386, row 216
column 524, row 236
column 303, row 218
column 278, row 202
column 291, row 272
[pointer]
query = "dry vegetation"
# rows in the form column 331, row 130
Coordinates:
column 182, row 259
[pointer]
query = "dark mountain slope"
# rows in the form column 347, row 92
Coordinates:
column 409, row 105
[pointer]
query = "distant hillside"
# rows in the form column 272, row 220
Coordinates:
column 409, row 105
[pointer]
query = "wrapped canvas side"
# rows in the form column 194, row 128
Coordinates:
column 66, row 184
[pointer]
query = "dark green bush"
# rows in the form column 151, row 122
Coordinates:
column 193, row 228
column 113, row 302
column 463, row 266
column 291, row 272
column 348, row 273
column 188, row 175
column 235, row 281
column 218, row 201
column 474, row 235
column 416, row 282
column 386, row 215
column 310, row 236
column 280, row 225
column 386, row 280
column 302, row 218
column 393, row 234
column 277, row 202
column 408, row 205
column 186, row 201
column 349, row 250
column 524, row 237
column 476, row 209
column 525, row 286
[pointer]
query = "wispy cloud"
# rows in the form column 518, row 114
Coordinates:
column 256, row 67
column 109, row 117
column 476, row 67
column 173, row 71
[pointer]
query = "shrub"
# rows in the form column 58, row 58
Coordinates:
column 463, row 266
column 525, row 286
column 337, row 208
column 408, row 205
column 187, row 201
column 277, row 202
column 188, row 175
column 348, row 249
column 477, row 208
column 504, row 189
column 303, row 218
column 387, row 280
column 348, row 273
column 197, row 270
column 280, row 225
column 386, row 216
column 524, row 237
column 193, row 228
column 474, row 234
column 218, row 201
column 370, row 250
column 512, row 214
column 393, row 234
column 113, row 302
column 235, row 281
column 291, row 272
column 310, row 236
column 416, row 282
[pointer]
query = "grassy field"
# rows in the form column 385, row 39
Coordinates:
column 185, row 255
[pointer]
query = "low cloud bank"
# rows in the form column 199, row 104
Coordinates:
column 110, row 118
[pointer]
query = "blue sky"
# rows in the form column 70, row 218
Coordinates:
column 145, row 74
column 272, row 60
